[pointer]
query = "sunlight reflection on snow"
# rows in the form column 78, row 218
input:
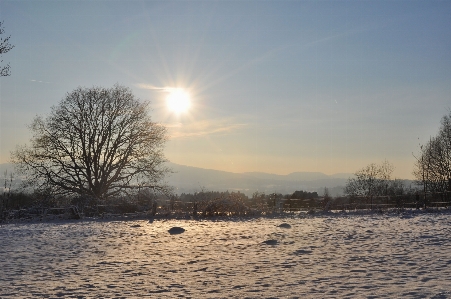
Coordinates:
column 377, row 255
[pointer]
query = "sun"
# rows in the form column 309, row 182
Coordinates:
column 178, row 101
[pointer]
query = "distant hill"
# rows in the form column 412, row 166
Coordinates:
column 188, row 179
column 304, row 176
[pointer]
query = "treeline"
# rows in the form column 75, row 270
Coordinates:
column 152, row 204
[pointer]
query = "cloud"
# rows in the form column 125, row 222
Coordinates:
column 33, row 80
column 202, row 128
column 157, row 88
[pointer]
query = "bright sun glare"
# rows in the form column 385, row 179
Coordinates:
column 178, row 101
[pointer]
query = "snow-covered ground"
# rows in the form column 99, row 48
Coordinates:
column 345, row 256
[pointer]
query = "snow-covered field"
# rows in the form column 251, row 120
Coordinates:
column 334, row 256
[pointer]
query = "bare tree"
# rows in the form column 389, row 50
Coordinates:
column 96, row 142
column 372, row 180
column 5, row 47
column 433, row 164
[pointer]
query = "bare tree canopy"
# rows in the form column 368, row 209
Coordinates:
column 5, row 46
column 433, row 164
column 372, row 180
column 98, row 142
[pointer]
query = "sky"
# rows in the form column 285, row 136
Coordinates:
column 275, row 86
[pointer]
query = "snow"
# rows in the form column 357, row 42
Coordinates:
column 383, row 256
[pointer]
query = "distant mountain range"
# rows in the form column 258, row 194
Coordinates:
column 188, row 179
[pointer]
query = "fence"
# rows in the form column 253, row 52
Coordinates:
column 417, row 200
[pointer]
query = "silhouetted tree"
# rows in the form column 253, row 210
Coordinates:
column 372, row 180
column 5, row 47
column 96, row 142
column 433, row 164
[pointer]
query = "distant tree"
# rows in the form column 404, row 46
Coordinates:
column 372, row 180
column 433, row 164
column 5, row 47
column 327, row 199
column 259, row 200
column 97, row 142
column 273, row 199
column 304, row 195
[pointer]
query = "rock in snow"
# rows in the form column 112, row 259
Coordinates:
column 271, row 242
column 285, row 225
column 176, row 230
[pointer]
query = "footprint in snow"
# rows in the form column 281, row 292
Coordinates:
column 285, row 225
column 302, row 251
